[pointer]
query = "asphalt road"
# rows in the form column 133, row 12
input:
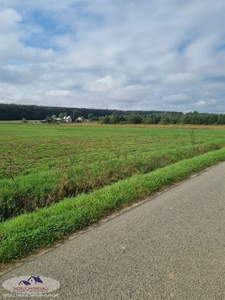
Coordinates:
column 172, row 246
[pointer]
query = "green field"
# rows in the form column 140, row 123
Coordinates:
column 56, row 179
column 41, row 164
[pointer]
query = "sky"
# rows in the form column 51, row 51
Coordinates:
column 166, row 55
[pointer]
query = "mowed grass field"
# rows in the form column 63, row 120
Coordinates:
column 56, row 179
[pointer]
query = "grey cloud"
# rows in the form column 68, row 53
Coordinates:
column 176, row 99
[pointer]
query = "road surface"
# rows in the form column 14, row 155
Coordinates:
column 172, row 246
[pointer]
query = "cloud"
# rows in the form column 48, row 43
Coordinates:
column 8, row 19
column 182, row 78
column 106, row 84
column 13, row 32
column 176, row 99
column 156, row 55
column 131, row 93
column 58, row 93
column 203, row 103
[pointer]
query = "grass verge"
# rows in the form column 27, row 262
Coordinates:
column 29, row 232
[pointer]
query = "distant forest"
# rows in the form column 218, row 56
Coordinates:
column 9, row 112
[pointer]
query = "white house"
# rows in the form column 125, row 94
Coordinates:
column 80, row 119
column 67, row 119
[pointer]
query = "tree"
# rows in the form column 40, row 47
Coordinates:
column 76, row 113
column 90, row 116
column 135, row 118
column 104, row 120
column 165, row 120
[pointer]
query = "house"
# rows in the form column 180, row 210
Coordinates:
column 80, row 119
column 67, row 119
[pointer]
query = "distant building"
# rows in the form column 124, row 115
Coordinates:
column 67, row 119
column 80, row 119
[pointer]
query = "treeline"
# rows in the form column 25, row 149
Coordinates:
column 164, row 118
column 10, row 112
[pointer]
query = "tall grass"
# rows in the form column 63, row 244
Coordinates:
column 22, row 194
